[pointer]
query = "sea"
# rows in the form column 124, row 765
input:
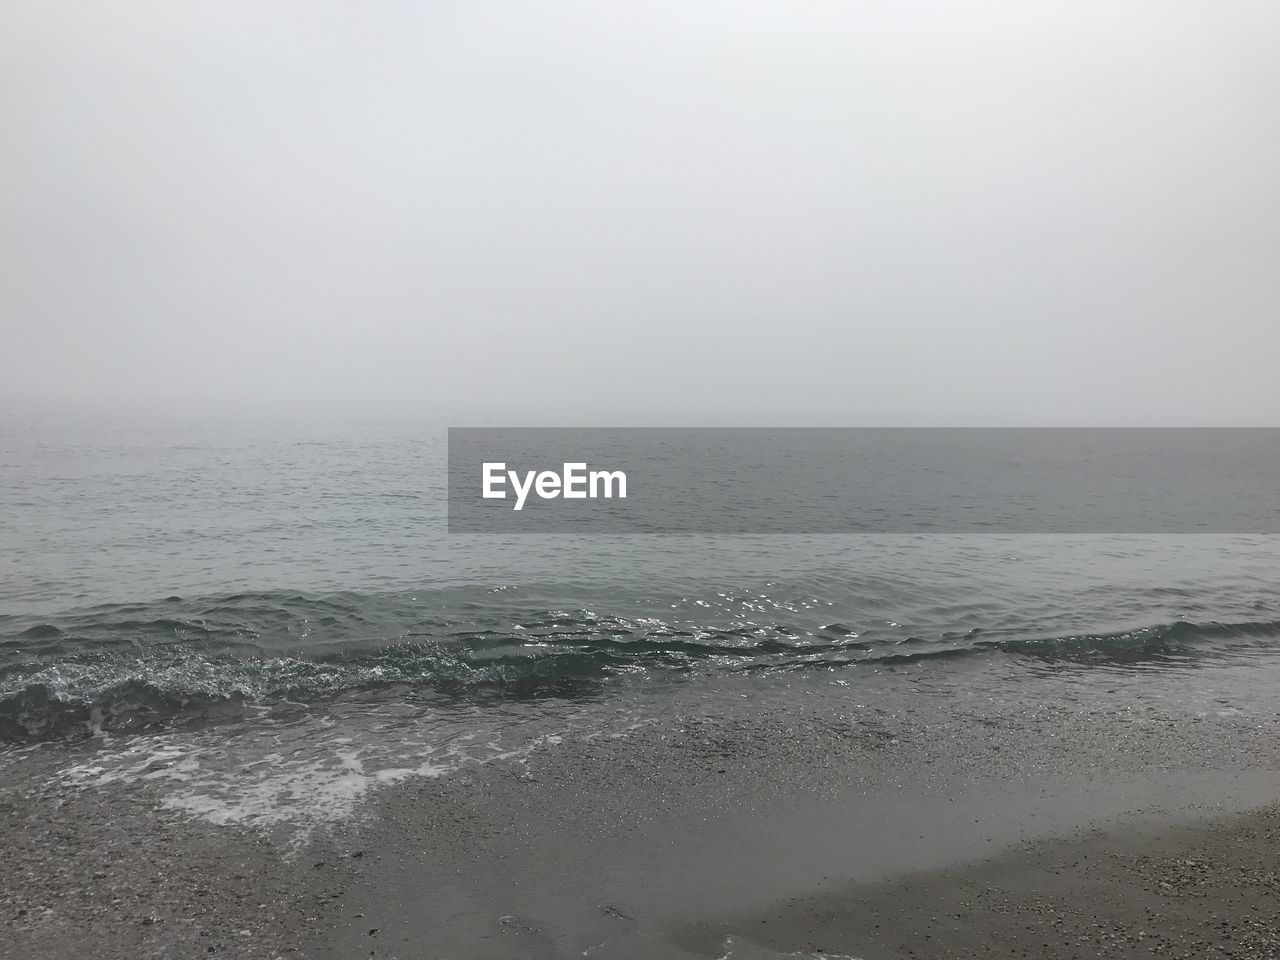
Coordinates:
column 270, row 620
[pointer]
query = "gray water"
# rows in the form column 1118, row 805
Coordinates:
column 228, row 582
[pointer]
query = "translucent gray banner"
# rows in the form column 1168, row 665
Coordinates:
column 807, row 481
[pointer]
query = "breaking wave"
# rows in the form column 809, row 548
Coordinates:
column 129, row 666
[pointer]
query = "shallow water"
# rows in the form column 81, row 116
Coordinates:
column 285, row 599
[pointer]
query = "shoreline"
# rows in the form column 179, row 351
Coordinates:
column 776, row 835
column 678, row 859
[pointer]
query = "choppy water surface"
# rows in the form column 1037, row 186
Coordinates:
column 293, row 585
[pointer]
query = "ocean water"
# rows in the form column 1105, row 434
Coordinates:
column 271, row 619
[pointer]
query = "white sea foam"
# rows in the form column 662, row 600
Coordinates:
column 301, row 774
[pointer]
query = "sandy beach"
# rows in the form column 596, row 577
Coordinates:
column 697, row 838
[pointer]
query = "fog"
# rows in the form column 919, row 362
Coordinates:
column 660, row 212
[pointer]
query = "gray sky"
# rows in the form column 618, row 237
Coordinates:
column 708, row 212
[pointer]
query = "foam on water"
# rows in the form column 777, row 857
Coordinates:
column 303, row 773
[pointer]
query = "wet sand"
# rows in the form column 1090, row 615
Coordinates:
column 783, row 834
column 1210, row 888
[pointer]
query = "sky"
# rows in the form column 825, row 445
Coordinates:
column 669, row 212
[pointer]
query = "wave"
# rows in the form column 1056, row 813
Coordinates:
column 126, row 666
